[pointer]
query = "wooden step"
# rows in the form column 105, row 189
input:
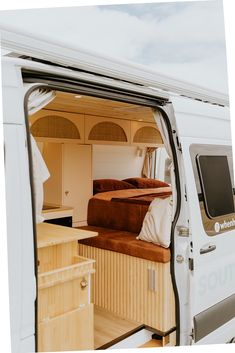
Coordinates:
column 152, row 343
column 109, row 327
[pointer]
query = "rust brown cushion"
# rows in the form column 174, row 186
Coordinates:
column 145, row 183
column 116, row 215
column 103, row 185
column 126, row 243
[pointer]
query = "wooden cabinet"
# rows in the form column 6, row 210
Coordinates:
column 68, row 331
column 106, row 131
column 77, row 180
column 145, row 134
column 56, row 126
column 70, row 183
column 65, row 311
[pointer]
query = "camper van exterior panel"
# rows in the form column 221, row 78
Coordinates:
column 212, row 278
column 201, row 120
column 200, row 280
column 13, row 93
column 22, row 282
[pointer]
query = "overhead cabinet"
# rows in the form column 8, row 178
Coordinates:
column 100, row 130
column 56, row 126
column 53, row 126
column 145, row 134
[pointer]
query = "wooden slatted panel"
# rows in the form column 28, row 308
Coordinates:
column 121, row 287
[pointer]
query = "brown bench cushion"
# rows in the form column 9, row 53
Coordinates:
column 126, row 243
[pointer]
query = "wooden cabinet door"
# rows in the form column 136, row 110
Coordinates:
column 52, row 154
column 71, row 331
column 77, row 180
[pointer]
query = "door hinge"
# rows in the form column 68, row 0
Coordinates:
column 178, row 144
column 179, row 147
column 183, row 231
column 191, row 264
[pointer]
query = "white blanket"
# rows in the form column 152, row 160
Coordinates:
column 156, row 226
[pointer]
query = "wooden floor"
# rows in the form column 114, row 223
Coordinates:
column 109, row 327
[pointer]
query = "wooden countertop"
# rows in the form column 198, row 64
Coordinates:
column 52, row 234
column 56, row 211
column 55, row 208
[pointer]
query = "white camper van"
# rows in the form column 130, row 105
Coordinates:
column 130, row 242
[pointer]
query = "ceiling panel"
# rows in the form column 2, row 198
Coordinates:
column 72, row 103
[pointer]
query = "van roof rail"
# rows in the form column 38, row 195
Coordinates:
column 60, row 53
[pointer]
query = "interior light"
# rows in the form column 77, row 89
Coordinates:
column 77, row 97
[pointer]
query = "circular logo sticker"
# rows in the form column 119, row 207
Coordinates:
column 217, row 227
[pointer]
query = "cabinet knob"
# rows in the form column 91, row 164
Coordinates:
column 66, row 192
column 83, row 283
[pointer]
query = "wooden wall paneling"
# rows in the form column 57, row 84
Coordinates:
column 121, row 287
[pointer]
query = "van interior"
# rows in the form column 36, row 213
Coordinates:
column 98, row 285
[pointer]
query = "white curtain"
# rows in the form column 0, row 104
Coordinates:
column 36, row 101
column 164, row 134
column 39, row 98
column 147, row 170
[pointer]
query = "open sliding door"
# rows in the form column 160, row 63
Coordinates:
column 209, row 247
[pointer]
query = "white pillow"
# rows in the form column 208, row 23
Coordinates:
column 156, row 226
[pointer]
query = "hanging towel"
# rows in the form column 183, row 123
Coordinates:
column 40, row 175
column 36, row 101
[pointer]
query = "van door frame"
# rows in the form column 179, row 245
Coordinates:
column 55, row 82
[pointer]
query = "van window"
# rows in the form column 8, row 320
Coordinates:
column 214, row 178
column 216, row 185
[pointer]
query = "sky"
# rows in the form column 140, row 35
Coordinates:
column 185, row 40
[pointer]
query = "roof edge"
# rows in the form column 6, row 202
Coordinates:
column 61, row 53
